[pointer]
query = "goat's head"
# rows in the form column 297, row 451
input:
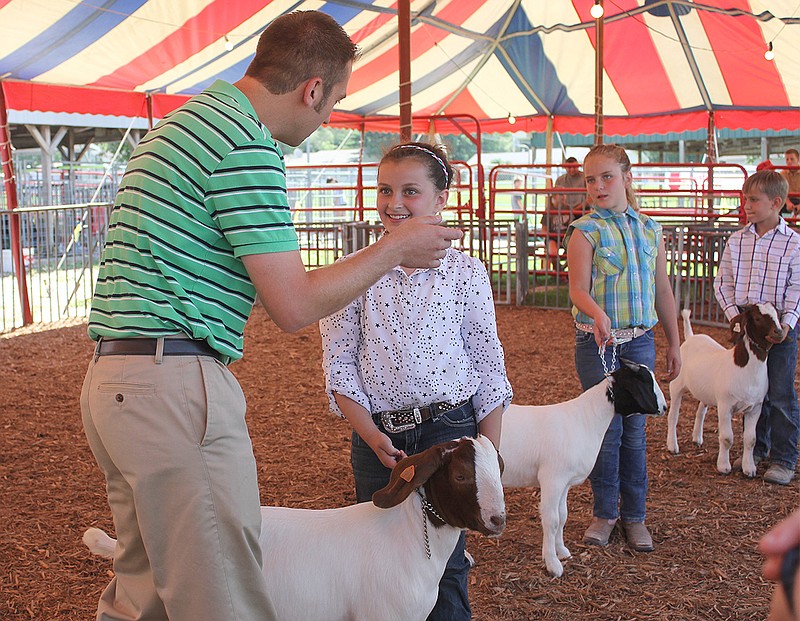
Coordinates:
column 636, row 391
column 461, row 480
column 761, row 325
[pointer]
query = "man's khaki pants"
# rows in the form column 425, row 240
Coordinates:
column 171, row 439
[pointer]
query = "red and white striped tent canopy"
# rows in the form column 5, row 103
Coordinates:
column 667, row 64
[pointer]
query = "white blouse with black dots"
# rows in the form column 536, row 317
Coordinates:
column 419, row 339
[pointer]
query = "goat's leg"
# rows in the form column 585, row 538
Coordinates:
column 724, row 422
column 699, row 419
column 561, row 550
column 675, row 397
column 751, row 416
column 549, row 499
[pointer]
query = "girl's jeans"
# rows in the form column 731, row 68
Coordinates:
column 619, row 477
column 371, row 475
column 778, row 428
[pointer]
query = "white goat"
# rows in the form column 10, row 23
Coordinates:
column 380, row 561
column 554, row 447
column 735, row 380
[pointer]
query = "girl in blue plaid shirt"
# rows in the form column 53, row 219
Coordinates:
column 619, row 288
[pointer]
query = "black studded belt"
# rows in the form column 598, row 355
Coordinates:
column 395, row 421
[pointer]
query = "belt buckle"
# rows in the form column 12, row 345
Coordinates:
column 386, row 420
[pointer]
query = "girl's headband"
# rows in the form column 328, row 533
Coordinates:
column 432, row 154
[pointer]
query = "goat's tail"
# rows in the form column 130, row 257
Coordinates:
column 99, row 542
column 687, row 325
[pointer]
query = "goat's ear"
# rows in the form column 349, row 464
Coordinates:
column 737, row 328
column 409, row 474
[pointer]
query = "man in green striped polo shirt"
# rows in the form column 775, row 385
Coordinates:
column 201, row 224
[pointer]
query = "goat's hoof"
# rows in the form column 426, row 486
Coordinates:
column 698, row 444
column 748, row 474
column 724, row 470
column 555, row 570
column 563, row 553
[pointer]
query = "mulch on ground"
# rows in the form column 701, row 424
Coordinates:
column 705, row 525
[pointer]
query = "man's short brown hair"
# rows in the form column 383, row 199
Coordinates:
column 299, row 46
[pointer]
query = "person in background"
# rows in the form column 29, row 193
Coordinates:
column 201, row 223
column 416, row 360
column 761, row 263
column 338, row 199
column 792, row 176
column 518, row 197
column 562, row 209
column 619, row 288
column 572, row 179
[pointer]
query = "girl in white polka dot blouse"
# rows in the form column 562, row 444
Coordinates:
column 416, row 360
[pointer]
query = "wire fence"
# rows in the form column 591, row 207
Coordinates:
column 333, row 205
column 61, row 246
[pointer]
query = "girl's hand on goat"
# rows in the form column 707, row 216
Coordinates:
column 382, row 446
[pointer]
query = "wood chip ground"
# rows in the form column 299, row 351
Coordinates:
column 705, row 525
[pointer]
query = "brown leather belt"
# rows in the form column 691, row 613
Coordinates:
column 147, row 347
column 395, row 421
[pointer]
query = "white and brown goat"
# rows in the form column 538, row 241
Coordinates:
column 735, row 380
column 380, row 560
column 554, row 447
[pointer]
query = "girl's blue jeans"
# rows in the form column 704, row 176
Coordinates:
column 371, row 475
column 619, row 477
column 778, row 428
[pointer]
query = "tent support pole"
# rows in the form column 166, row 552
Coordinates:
column 598, row 80
column 149, row 102
column 360, row 174
column 10, row 183
column 712, row 158
column 404, row 49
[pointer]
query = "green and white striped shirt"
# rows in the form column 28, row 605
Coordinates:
column 204, row 187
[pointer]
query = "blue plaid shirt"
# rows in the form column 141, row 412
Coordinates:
column 623, row 267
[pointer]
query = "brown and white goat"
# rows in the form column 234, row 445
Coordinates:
column 735, row 380
column 554, row 447
column 382, row 560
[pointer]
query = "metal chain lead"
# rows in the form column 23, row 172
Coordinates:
column 426, row 506
column 602, row 353
column 425, row 531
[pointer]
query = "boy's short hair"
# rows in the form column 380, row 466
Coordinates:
column 793, row 151
column 768, row 181
column 301, row 45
